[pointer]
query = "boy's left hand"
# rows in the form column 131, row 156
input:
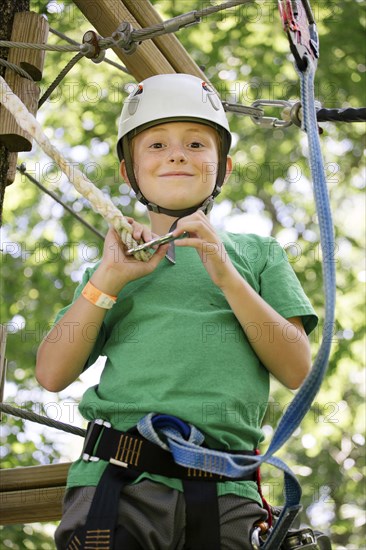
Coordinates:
column 210, row 248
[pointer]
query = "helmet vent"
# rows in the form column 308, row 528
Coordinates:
column 212, row 96
column 133, row 103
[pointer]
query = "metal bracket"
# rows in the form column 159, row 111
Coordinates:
column 301, row 31
column 95, row 53
column 123, row 38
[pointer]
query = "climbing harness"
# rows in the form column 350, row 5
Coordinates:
column 129, row 454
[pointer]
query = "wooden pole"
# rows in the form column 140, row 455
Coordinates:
column 8, row 9
column 27, row 27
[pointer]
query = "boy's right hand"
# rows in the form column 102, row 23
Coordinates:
column 117, row 268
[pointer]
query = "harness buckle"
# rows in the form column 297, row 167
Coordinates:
column 94, row 430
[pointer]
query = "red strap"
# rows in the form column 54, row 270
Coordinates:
column 266, row 506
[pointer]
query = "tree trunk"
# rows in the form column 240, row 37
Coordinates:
column 7, row 11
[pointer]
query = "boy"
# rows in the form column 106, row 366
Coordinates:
column 195, row 340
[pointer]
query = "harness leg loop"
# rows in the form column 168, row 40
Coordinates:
column 202, row 516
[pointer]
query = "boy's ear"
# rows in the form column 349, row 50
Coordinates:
column 123, row 172
column 229, row 168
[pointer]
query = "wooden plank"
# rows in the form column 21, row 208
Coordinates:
column 106, row 16
column 33, row 477
column 33, row 493
column 28, row 506
column 146, row 15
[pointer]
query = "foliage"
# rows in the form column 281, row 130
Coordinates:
column 245, row 54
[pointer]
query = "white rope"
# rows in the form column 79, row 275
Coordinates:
column 100, row 202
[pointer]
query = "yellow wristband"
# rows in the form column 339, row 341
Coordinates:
column 97, row 297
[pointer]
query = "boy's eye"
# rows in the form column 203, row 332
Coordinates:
column 196, row 145
column 157, row 145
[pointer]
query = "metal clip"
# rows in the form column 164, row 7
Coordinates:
column 123, row 38
column 157, row 242
column 271, row 122
column 256, row 537
column 184, row 20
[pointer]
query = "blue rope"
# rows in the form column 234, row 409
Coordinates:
column 187, row 450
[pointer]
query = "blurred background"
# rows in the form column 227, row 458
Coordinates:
column 245, row 54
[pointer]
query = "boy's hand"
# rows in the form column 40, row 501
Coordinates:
column 210, row 248
column 117, row 268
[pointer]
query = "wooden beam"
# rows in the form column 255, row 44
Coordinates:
column 106, row 16
column 164, row 54
column 169, row 45
column 33, row 493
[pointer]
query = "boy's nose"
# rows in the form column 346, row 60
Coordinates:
column 177, row 154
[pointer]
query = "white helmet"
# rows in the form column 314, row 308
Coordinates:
column 171, row 98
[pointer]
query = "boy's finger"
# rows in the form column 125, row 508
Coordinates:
column 161, row 251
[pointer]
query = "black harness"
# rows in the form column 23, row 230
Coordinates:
column 129, row 455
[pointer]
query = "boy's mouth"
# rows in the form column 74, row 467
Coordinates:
column 175, row 174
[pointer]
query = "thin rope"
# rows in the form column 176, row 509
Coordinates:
column 45, row 420
column 347, row 114
column 181, row 21
column 59, row 78
column 35, row 46
column 23, row 170
column 100, row 202
column 18, row 70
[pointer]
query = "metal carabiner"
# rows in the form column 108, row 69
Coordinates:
column 256, row 536
column 271, row 122
column 255, row 541
column 157, row 242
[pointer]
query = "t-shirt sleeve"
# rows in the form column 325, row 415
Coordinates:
column 280, row 287
column 99, row 343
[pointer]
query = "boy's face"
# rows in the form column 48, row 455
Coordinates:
column 175, row 163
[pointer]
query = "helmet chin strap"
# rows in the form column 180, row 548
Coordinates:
column 206, row 206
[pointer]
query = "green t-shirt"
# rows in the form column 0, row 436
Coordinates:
column 174, row 346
